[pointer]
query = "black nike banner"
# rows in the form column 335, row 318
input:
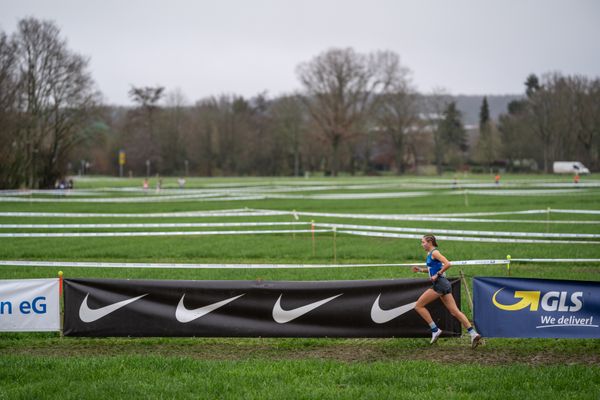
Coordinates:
column 382, row 308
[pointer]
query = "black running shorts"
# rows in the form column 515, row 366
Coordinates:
column 442, row 286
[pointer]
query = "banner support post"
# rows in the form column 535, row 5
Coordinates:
column 60, row 283
column 61, row 312
column 464, row 281
column 312, row 228
column 334, row 246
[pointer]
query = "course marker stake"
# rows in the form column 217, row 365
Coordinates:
column 312, row 228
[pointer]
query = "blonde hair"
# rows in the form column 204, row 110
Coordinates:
column 431, row 239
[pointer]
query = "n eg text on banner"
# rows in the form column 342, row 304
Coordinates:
column 29, row 305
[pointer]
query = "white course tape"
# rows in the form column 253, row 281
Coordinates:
column 52, row 192
column 404, row 217
column 575, row 211
column 194, row 214
column 132, row 234
column 158, row 225
column 555, row 260
column 459, row 232
column 264, row 212
column 349, row 196
column 323, row 225
column 524, row 192
column 483, row 214
column 224, row 266
column 473, row 214
column 465, row 239
column 139, row 199
column 215, row 197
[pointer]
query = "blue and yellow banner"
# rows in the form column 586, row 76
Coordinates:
column 536, row 308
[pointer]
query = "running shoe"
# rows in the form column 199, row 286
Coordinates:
column 435, row 335
column 475, row 339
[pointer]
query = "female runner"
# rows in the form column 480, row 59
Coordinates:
column 437, row 265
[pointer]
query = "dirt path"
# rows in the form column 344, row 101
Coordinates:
column 359, row 350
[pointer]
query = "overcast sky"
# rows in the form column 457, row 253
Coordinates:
column 210, row 47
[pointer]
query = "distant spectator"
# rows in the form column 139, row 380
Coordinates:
column 145, row 185
column 576, row 179
column 497, row 179
column 181, row 182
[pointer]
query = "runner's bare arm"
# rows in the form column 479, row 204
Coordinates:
column 440, row 257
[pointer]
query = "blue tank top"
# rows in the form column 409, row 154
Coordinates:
column 434, row 266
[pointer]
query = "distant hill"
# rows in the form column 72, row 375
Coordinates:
column 470, row 105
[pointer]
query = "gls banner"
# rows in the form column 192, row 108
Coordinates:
column 536, row 308
column 29, row 305
column 103, row 307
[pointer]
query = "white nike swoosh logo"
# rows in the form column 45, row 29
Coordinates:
column 282, row 316
column 88, row 315
column 184, row 315
column 380, row 316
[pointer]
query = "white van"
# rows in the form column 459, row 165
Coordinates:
column 569, row 167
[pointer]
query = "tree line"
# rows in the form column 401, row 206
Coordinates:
column 558, row 119
column 356, row 113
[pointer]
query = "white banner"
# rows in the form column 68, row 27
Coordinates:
column 29, row 305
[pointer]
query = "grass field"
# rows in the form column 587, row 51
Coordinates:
column 37, row 365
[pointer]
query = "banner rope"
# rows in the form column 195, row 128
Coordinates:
column 508, row 261
column 224, row 266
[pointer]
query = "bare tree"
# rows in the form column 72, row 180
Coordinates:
column 289, row 123
column 437, row 102
column 488, row 143
column 223, row 135
column 171, row 133
column 10, row 166
column 341, row 91
column 141, row 130
column 540, row 109
column 586, row 126
column 203, row 142
column 557, row 120
column 518, row 144
column 55, row 101
column 551, row 110
column 453, row 135
column 398, row 115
